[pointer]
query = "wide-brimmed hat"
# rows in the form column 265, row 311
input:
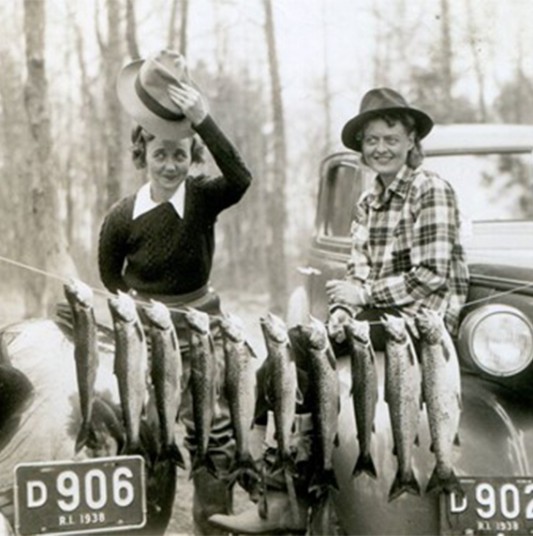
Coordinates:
column 375, row 102
column 142, row 88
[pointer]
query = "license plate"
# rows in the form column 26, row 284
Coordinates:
column 489, row 506
column 97, row 495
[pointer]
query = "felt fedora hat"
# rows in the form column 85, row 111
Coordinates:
column 377, row 101
column 142, row 88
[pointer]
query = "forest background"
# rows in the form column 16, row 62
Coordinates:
column 281, row 78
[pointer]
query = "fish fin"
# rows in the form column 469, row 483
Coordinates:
column 365, row 464
column 85, row 436
column 459, row 401
column 412, row 353
column 394, row 451
column 250, row 349
column 372, row 353
column 456, row 440
column 417, row 440
column 336, row 440
column 174, row 454
column 432, row 447
column 401, row 485
column 445, row 481
column 446, row 352
column 299, row 396
column 331, row 357
column 140, row 331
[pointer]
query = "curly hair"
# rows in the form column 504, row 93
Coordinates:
column 416, row 155
column 140, row 137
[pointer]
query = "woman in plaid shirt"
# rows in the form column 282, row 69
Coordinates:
column 414, row 251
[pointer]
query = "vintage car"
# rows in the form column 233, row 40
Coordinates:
column 491, row 169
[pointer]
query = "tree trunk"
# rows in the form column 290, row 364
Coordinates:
column 276, row 203
column 112, row 62
column 131, row 30
column 184, row 23
column 446, row 56
column 47, row 249
column 171, row 39
column 478, row 64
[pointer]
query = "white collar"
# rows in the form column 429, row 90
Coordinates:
column 144, row 202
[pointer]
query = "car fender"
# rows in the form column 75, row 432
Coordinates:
column 492, row 443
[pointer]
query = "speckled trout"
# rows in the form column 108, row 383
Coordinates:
column 239, row 386
column 281, row 386
column 166, row 369
column 203, row 383
column 403, row 396
column 441, row 386
column 80, row 299
column 131, row 366
column 325, row 404
column 364, row 391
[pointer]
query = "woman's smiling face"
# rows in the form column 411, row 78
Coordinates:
column 167, row 163
column 385, row 148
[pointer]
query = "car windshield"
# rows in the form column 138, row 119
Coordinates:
column 490, row 187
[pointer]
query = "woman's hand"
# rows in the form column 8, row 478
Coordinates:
column 191, row 102
column 346, row 292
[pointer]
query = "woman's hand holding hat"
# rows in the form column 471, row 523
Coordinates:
column 190, row 101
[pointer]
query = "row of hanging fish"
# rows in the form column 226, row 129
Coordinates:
column 433, row 378
column 148, row 364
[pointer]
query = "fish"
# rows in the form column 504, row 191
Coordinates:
column 239, row 384
column 403, row 396
column 80, row 298
column 441, row 388
column 166, row 369
column 130, row 366
column 281, row 386
column 325, row 404
column 364, row 391
column 203, row 385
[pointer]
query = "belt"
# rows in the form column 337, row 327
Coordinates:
column 205, row 299
column 175, row 300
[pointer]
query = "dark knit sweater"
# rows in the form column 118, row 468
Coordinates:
column 161, row 253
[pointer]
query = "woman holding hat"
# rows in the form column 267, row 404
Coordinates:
column 415, row 254
column 159, row 242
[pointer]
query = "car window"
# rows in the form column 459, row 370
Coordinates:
column 344, row 187
column 490, row 187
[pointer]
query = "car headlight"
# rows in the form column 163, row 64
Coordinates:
column 498, row 339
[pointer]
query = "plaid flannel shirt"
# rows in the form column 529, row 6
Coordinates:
column 414, row 247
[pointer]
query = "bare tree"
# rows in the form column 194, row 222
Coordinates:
column 276, row 196
column 184, row 26
column 111, row 51
column 478, row 64
column 47, row 245
column 131, row 30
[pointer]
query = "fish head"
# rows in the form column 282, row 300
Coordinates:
column 395, row 327
column 430, row 324
column 358, row 330
column 122, row 307
column 315, row 334
column 79, row 292
column 158, row 314
column 232, row 327
column 274, row 328
column 197, row 320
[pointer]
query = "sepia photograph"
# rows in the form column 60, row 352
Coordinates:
column 266, row 267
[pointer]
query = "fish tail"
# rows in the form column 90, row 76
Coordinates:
column 365, row 464
column 444, row 480
column 174, row 454
column 203, row 461
column 293, row 500
column 85, row 435
column 404, row 484
column 323, row 482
